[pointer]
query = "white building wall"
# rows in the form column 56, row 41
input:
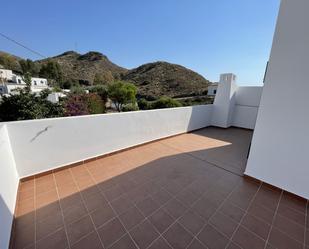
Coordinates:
column 8, row 187
column 246, row 106
column 279, row 151
column 235, row 105
column 224, row 101
column 6, row 74
column 41, row 145
column 212, row 90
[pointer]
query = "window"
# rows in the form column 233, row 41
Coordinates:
column 215, row 91
column 42, row 82
column 35, row 83
column 19, row 81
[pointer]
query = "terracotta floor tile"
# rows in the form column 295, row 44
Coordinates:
column 192, row 222
column 289, row 227
column 26, row 185
column 246, row 239
column 223, row 224
column 262, row 213
column 233, row 246
column 280, row 240
column 204, row 208
column 122, row 204
column 147, row 206
column 44, row 187
column 294, row 202
column 67, row 190
column 232, row 211
column 212, row 238
column 256, row 226
column 24, row 236
column 124, row 243
column 161, row 197
column 111, row 232
column 160, row 243
column 94, row 202
column 187, row 198
column 26, row 194
column 48, row 211
column 74, row 212
column 161, row 220
column 131, row 218
column 292, row 215
column 91, row 241
column 113, row 193
column 175, row 208
column 144, row 234
column 195, row 244
column 143, row 182
column 177, row 236
column 56, row 240
column 80, row 228
column 102, row 215
column 48, row 225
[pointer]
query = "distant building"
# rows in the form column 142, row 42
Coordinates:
column 212, row 89
column 10, row 82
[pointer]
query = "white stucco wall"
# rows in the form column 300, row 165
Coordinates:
column 279, row 151
column 40, row 145
column 224, row 101
column 246, row 106
column 235, row 105
column 8, row 187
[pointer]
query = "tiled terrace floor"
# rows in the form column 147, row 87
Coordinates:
column 167, row 194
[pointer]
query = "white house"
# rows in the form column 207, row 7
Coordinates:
column 10, row 82
column 212, row 89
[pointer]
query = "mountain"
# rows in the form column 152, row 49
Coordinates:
column 84, row 67
column 162, row 78
column 10, row 61
column 153, row 79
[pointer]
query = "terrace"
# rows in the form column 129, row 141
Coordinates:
column 181, row 192
column 189, row 177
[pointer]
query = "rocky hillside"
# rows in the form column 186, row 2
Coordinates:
column 153, row 79
column 162, row 78
column 84, row 67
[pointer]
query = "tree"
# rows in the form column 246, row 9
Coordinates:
column 122, row 93
column 27, row 79
column 165, row 102
column 52, row 71
column 83, row 104
column 28, row 66
column 103, row 78
column 9, row 62
column 101, row 90
column 26, row 105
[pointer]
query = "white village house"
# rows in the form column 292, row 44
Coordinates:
column 10, row 82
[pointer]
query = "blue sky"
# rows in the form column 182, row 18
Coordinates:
column 208, row 36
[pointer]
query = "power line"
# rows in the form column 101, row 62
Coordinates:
column 20, row 44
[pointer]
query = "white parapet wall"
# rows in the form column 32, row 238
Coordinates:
column 235, row 105
column 279, row 151
column 246, row 106
column 8, row 187
column 41, row 145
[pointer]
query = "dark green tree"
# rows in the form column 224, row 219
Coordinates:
column 122, row 93
column 165, row 102
column 101, row 90
column 27, row 79
column 26, row 105
column 28, row 66
column 52, row 71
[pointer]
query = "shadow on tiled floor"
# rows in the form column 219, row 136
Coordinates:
column 167, row 194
